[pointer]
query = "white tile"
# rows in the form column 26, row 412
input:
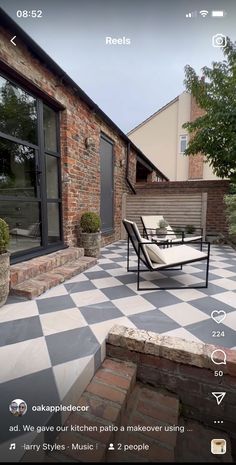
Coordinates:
column 187, row 294
column 23, row 358
column 102, row 283
column 103, row 261
column 117, row 272
column 77, row 279
column 191, row 269
column 188, row 280
column 64, row 320
column 101, row 330
column 216, row 264
column 133, row 305
column 54, row 292
column 223, row 273
column 184, row 314
column 18, row 310
column 230, row 320
column 144, row 284
column 225, row 283
column 113, row 255
column 182, row 333
column 79, row 371
column 152, row 276
column 228, row 298
column 94, row 296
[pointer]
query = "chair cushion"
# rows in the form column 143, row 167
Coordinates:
column 155, row 253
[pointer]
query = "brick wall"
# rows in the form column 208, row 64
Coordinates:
column 195, row 161
column 80, row 163
column 184, row 368
column 215, row 215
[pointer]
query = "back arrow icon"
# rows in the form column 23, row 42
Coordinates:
column 12, row 40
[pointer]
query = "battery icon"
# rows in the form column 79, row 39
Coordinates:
column 217, row 14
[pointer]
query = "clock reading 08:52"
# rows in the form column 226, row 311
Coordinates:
column 29, row 13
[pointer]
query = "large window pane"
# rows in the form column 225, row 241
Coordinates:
column 18, row 112
column 17, row 170
column 52, row 177
column 49, row 127
column 24, row 223
column 53, row 223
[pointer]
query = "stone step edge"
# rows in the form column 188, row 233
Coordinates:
column 20, row 272
column 104, row 408
column 32, row 288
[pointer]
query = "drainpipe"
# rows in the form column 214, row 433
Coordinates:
column 127, row 169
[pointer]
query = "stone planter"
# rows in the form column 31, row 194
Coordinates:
column 91, row 242
column 4, row 277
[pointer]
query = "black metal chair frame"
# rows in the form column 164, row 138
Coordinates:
column 164, row 267
column 169, row 233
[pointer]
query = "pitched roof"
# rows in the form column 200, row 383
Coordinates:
column 153, row 115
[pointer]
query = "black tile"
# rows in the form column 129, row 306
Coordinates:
column 109, row 266
column 96, row 274
column 118, row 292
column 161, row 298
column 35, row 389
column 100, row 312
column 15, row 331
column 53, row 304
column 204, row 331
column 79, row 287
column 70, row 345
column 154, row 321
column 209, row 304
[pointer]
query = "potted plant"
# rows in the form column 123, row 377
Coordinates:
column 90, row 224
column 162, row 229
column 190, row 229
column 4, row 262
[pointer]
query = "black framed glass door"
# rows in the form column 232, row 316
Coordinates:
column 30, row 190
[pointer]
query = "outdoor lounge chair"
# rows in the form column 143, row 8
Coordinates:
column 156, row 259
column 150, row 225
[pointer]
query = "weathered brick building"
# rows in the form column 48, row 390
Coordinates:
column 60, row 155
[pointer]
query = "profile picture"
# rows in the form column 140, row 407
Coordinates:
column 18, row 407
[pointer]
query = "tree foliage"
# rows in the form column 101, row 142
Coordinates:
column 214, row 133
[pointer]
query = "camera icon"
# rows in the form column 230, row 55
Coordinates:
column 219, row 40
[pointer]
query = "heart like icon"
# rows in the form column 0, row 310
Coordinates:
column 218, row 316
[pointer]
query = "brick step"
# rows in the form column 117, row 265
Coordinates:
column 105, row 398
column 31, row 268
column 147, row 407
column 32, row 288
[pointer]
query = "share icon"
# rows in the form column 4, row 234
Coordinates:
column 219, row 396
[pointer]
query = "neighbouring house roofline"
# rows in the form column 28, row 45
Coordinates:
column 153, row 115
column 9, row 23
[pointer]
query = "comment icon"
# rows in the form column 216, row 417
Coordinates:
column 218, row 357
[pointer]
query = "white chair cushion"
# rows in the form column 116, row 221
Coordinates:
column 155, row 253
column 181, row 253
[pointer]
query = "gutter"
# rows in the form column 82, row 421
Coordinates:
column 127, row 169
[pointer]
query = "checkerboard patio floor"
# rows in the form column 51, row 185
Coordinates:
column 48, row 343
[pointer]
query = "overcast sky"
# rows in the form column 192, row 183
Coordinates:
column 129, row 82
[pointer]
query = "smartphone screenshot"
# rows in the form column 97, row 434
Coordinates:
column 118, row 231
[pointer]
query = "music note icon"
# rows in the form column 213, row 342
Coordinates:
column 12, row 446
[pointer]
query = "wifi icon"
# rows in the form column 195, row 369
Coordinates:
column 203, row 13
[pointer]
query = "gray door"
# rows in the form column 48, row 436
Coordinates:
column 106, row 172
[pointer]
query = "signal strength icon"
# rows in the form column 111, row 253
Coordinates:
column 203, row 13
column 192, row 14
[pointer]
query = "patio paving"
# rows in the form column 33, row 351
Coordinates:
column 51, row 346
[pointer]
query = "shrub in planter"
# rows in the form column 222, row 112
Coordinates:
column 162, row 229
column 4, row 262
column 190, row 229
column 90, row 224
